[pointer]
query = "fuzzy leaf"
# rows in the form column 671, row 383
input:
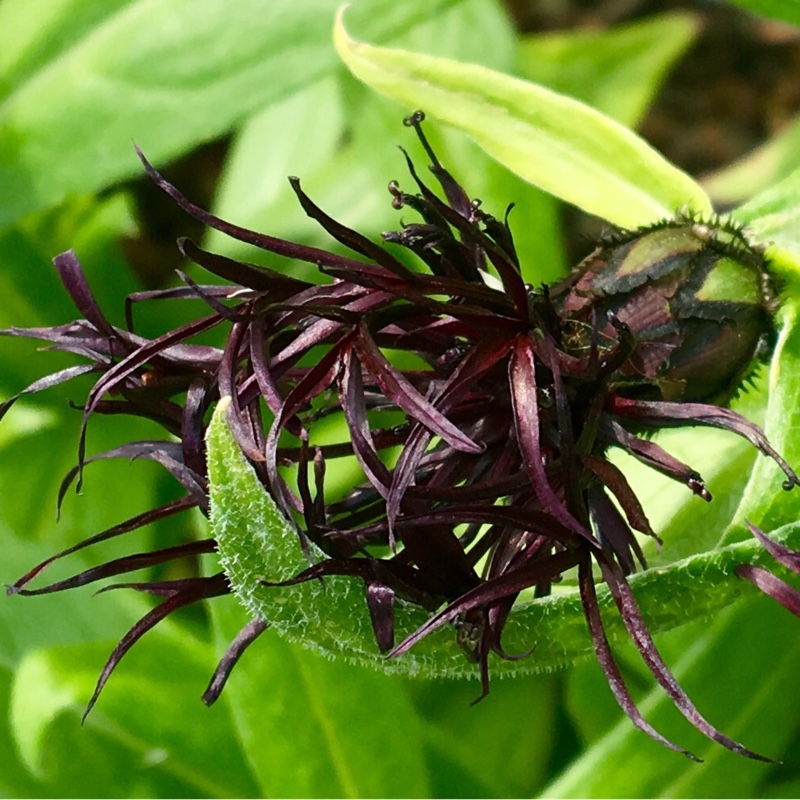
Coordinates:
column 256, row 543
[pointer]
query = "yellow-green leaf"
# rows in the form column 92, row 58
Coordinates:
column 560, row 144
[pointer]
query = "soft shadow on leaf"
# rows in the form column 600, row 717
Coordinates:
column 478, row 750
column 15, row 779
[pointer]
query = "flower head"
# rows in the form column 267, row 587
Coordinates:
column 478, row 410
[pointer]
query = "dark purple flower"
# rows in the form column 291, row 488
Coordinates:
column 480, row 411
column 777, row 589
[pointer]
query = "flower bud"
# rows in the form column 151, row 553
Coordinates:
column 695, row 296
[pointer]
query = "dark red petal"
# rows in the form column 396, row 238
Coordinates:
column 258, row 278
column 192, row 428
column 129, row 365
column 322, row 330
column 351, row 396
column 56, row 378
column 654, row 456
column 74, row 280
column 770, row 584
column 380, row 601
column 525, row 400
column 789, row 558
column 453, row 191
column 210, row 298
column 472, row 234
column 201, row 589
column 243, row 640
column 119, row 566
column 312, row 255
column 493, row 590
column 632, row 618
column 613, row 477
column 397, row 387
column 315, row 381
column 139, row 521
column 229, row 382
column 168, row 454
column 350, row 238
column 665, row 414
column 607, row 662
column 613, row 531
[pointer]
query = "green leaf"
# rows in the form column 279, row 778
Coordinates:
column 256, row 544
column 763, row 502
column 618, row 71
column 759, row 170
column 773, row 216
column 786, row 10
column 553, row 141
column 489, row 749
column 315, row 727
column 740, row 669
column 169, row 74
column 15, row 778
column 196, row 749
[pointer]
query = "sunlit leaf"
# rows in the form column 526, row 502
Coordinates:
column 555, row 142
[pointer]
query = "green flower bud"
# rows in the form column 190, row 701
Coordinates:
column 696, row 297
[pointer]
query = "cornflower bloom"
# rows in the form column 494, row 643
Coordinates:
column 479, row 410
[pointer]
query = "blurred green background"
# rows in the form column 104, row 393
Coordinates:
column 230, row 98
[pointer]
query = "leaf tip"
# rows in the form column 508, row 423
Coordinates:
column 342, row 40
